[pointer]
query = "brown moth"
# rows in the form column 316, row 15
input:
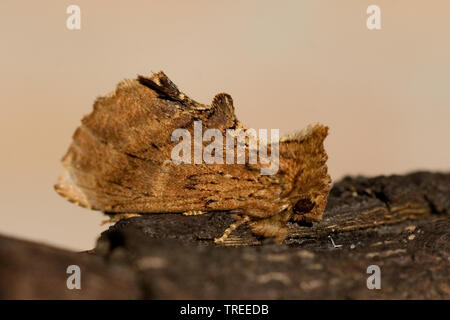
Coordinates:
column 119, row 162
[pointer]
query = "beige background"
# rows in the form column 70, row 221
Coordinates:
column 385, row 94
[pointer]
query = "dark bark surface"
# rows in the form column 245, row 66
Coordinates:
column 399, row 223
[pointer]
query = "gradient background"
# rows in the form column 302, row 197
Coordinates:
column 384, row 94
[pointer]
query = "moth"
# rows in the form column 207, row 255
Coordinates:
column 119, row 162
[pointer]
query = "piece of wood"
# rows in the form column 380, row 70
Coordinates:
column 36, row 271
column 400, row 223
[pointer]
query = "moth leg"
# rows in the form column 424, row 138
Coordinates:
column 270, row 227
column 112, row 218
column 231, row 228
column 193, row 213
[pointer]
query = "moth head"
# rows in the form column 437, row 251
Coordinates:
column 303, row 162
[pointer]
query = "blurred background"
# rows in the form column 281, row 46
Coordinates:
column 384, row 93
